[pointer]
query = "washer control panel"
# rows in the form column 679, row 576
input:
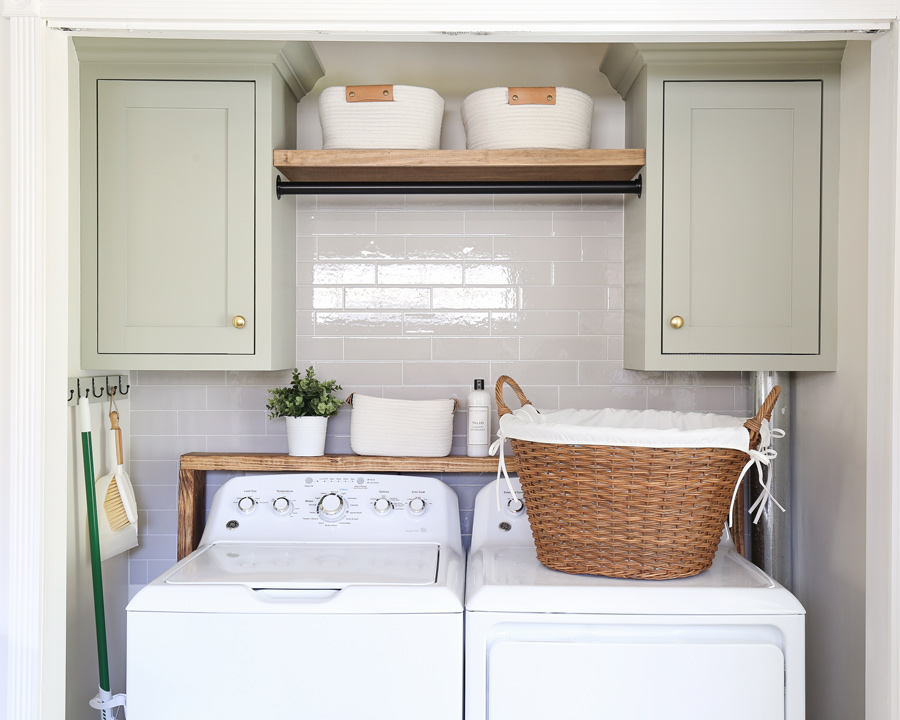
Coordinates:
column 331, row 506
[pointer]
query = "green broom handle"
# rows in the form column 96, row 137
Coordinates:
column 94, row 531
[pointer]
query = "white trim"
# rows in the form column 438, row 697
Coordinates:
column 26, row 410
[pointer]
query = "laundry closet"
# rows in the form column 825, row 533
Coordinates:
column 415, row 295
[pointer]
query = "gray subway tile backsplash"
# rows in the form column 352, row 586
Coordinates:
column 414, row 297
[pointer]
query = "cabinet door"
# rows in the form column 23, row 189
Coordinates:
column 741, row 217
column 175, row 204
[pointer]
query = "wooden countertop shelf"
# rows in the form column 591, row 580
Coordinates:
column 194, row 466
column 533, row 164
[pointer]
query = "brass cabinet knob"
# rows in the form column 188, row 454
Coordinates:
column 677, row 322
column 238, row 321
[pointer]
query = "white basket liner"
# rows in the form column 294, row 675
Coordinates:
column 389, row 427
column 630, row 428
column 412, row 121
column 491, row 123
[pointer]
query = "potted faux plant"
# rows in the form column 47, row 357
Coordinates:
column 306, row 404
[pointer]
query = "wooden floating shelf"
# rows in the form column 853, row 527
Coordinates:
column 531, row 165
column 194, row 466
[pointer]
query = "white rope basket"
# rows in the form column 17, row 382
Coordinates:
column 504, row 118
column 381, row 117
column 401, row 428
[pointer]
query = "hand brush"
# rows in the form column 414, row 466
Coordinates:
column 119, row 504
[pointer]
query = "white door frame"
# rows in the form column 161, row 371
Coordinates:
column 37, row 419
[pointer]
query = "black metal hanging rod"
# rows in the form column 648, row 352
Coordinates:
column 607, row 187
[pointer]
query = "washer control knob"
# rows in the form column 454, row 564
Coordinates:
column 331, row 506
column 281, row 505
column 383, row 506
column 417, row 506
column 246, row 504
column 516, row 506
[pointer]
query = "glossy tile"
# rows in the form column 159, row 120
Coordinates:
column 610, row 372
column 178, row 377
column 564, row 298
column 531, row 373
column 588, row 223
column 616, row 349
column 266, row 378
column 222, row 422
column 153, row 472
column 361, row 248
column 457, row 202
column 509, row 223
column 319, row 298
column 587, row 347
column 542, row 202
column 508, row 273
column 317, row 348
column 165, row 447
column 534, row 323
column 529, row 249
column 337, row 223
column 383, row 297
column 603, row 249
column 349, row 374
column 476, row 348
column 420, row 274
column 449, row 248
column 337, row 273
column 356, row 323
column 692, row 399
column 475, row 298
column 444, row 373
column 248, row 443
column 588, row 273
column 420, row 223
column 395, row 348
column 168, row 397
column 447, row 323
column 153, row 422
column 601, row 322
column 351, row 203
column 630, row 397
column 616, row 298
column 305, row 322
column 605, row 203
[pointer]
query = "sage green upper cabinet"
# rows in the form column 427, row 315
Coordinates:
column 188, row 259
column 730, row 252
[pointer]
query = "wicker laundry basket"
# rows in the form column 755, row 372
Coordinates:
column 628, row 512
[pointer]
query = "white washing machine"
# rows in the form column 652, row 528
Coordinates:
column 540, row 644
column 315, row 596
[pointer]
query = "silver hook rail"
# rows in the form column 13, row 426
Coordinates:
column 98, row 387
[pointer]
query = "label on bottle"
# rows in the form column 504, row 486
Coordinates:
column 479, row 424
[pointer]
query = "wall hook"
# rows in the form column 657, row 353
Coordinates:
column 127, row 387
column 94, row 390
column 71, row 395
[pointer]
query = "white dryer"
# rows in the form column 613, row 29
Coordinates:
column 316, row 596
column 540, row 644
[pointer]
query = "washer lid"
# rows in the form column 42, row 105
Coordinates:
column 511, row 579
column 308, row 565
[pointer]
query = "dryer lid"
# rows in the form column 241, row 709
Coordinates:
column 309, row 565
column 511, row 579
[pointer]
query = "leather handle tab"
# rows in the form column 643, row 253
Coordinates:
column 532, row 96
column 370, row 93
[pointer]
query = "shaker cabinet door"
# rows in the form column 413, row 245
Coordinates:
column 741, row 217
column 176, row 227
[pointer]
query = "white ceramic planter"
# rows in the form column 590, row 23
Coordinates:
column 306, row 435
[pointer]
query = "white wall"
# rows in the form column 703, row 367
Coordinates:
column 82, row 673
column 829, row 445
column 5, row 309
